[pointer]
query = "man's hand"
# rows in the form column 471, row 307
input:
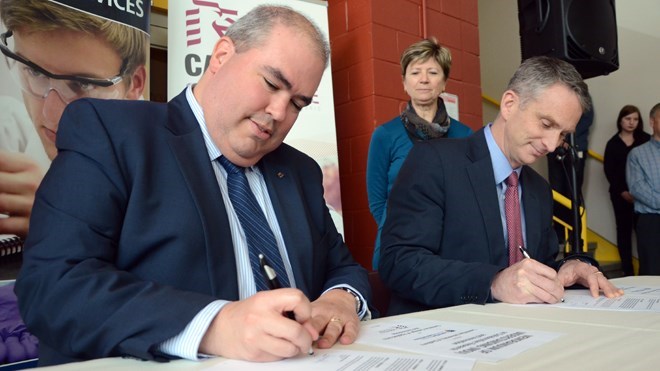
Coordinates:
column 20, row 177
column 334, row 316
column 256, row 329
column 575, row 271
column 527, row 281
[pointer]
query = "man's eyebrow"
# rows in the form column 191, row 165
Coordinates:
column 555, row 124
column 549, row 118
column 277, row 73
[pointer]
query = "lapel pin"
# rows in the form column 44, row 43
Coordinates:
column 280, row 174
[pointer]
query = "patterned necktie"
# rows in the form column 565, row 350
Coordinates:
column 513, row 221
column 260, row 238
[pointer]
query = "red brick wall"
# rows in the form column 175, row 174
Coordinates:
column 367, row 39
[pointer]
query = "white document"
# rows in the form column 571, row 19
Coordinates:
column 451, row 339
column 347, row 360
column 636, row 298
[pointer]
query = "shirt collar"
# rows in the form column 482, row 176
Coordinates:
column 501, row 166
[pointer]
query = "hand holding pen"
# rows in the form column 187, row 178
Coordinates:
column 526, row 255
column 273, row 284
column 255, row 328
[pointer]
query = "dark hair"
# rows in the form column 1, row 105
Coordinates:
column 625, row 111
column 654, row 110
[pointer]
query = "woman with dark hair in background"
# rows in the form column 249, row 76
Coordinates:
column 630, row 134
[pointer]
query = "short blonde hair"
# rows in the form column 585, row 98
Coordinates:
column 424, row 50
column 132, row 45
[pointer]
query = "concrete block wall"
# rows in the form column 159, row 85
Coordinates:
column 367, row 39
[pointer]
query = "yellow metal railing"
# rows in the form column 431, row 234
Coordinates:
column 596, row 156
column 561, row 199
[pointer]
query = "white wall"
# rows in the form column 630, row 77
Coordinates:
column 636, row 82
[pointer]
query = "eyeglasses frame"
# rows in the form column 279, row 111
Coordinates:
column 84, row 80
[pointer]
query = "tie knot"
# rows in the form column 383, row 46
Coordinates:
column 229, row 166
column 512, row 180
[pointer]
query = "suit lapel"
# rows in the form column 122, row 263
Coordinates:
column 189, row 149
column 481, row 175
column 283, row 188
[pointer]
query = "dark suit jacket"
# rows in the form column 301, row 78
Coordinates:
column 443, row 240
column 129, row 237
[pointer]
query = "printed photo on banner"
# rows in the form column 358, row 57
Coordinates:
column 55, row 52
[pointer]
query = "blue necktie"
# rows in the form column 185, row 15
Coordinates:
column 260, row 238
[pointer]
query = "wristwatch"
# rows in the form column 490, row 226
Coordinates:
column 358, row 301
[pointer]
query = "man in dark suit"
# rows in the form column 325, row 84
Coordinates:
column 446, row 240
column 136, row 248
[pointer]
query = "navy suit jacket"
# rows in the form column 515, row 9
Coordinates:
column 443, row 239
column 129, row 238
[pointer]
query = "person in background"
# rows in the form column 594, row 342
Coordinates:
column 56, row 55
column 464, row 212
column 630, row 134
column 147, row 229
column 643, row 177
column 425, row 67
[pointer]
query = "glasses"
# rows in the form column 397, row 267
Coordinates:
column 35, row 80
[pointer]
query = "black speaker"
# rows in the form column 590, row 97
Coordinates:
column 581, row 32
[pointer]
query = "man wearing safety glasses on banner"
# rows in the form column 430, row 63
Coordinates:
column 57, row 54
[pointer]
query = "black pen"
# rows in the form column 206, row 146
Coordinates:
column 271, row 280
column 526, row 255
column 269, row 274
column 273, row 283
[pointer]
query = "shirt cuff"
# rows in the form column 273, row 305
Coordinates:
column 186, row 343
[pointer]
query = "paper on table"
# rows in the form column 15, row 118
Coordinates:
column 347, row 360
column 440, row 338
column 636, row 298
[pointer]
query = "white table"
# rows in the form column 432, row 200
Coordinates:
column 592, row 340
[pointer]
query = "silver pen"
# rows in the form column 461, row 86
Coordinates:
column 524, row 252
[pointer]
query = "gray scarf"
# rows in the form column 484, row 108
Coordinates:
column 419, row 129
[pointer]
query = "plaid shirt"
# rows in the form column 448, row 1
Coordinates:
column 643, row 176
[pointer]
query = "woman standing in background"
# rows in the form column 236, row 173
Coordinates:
column 630, row 134
column 425, row 68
